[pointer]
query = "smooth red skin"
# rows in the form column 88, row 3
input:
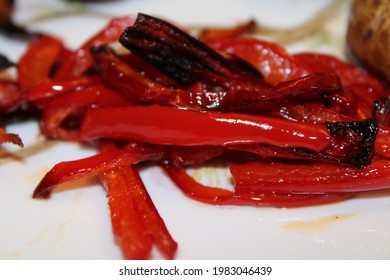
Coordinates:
column 36, row 63
column 125, row 187
column 127, row 222
column 310, row 178
column 50, row 88
column 76, row 102
column 219, row 196
column 79, row 61
column 9, row 96
column 87, row 167
column 173, row 126
column 271, row 60
column 370, row 87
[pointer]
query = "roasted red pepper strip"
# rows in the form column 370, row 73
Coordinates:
column 126, row 189
column 88, row 167
column 348, row 73
column 74, row 104
column 50, row 88
column 35, row 65
column 81, row 60
column 173, row 126
column 179, row 55
column 124, row 78
column 127, row 222
column 212, row 34
column 310, row 178
column 10, row 138
column 219, row 196
column 271, row 60
column 9, row 96
column 308, row 112
column 353, row 143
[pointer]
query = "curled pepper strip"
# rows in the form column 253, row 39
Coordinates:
column 9, row 96
column 184, row 58
column 220, row 196
column 73, row 104
column 349, row 74
column 91, row 166
column 212, row 34
column 49, row 89
column 80, row 60
column 10, row 138
column 271, row 60
column 36, row 63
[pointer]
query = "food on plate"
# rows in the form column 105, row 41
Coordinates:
column 369, row 35
column 298, row 129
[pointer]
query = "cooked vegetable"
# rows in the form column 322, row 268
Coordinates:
column 299, row 130
column 369, row 35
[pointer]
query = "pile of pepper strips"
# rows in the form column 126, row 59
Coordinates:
column 301, row 129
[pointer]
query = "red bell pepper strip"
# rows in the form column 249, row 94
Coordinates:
column 212, row 34
column 10, row 138
column 50, row 88
column 220, row 196
column 310, row 178
column 236, row 98
column 73, row 104
column 299, row 111
column 124, row 78
column 353, row 143
column 88, row 167
column 127, row 222
column 9, row 96
column 179, row 55
column 271, row 60
column 172, row 126
column 126, row 193
column 349, row 74
column 81, row 60
column 37, row 62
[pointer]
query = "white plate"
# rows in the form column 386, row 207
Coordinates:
column 75, row 222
